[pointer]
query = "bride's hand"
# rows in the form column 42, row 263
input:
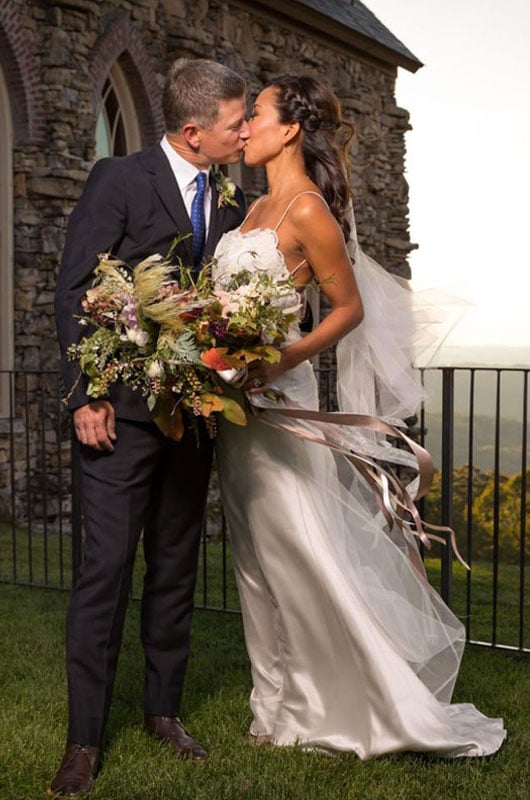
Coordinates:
column 262, row 374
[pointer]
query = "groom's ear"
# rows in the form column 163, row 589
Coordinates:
column 191, row 133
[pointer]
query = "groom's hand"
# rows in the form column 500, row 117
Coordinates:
column 95, row 425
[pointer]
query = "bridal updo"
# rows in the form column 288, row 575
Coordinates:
column 309, row 101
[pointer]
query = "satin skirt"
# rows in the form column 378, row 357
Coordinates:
column 350, row 648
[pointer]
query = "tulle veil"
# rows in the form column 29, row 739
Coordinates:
column 378, row 362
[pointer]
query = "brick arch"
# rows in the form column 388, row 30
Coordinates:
column 122, row 42
column 22, row 76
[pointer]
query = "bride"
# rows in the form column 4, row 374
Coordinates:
column 350, row 648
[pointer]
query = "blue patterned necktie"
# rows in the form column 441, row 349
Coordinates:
column 198, row 221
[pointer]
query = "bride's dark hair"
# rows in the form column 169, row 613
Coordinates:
column 309, row 101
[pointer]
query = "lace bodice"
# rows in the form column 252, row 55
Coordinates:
column 255, row 250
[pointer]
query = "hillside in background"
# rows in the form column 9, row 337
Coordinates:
column 511, row 435
column 487, row 381
column 505, row 380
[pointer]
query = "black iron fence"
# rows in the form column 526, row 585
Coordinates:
column 36, row 541
column 475, row 423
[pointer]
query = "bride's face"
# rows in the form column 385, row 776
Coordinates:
column 267, row 135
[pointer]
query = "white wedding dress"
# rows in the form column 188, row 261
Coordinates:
column 350, row 648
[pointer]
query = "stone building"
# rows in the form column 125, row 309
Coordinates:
column 80, row 79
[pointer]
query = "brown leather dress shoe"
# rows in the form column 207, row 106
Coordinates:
column 171, row 729
column 77, row 771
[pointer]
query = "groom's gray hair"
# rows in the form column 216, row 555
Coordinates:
column 193, row 90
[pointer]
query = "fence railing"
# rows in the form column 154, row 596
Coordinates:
column 475, row 423
column 35, row 483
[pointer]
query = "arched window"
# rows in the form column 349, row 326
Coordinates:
column 117, row 129
column 6, row 245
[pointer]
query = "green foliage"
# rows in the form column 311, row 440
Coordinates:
column 506, row 514
column 475, row 504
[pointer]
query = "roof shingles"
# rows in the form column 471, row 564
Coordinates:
column 357, row 17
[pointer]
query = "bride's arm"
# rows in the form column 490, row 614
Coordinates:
column 321, row 240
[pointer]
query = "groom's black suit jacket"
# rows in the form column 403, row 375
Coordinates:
column 133, row 208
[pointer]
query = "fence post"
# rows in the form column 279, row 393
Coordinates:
column 77, row 526
column 448, row 396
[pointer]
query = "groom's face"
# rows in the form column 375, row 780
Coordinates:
column 225, row 141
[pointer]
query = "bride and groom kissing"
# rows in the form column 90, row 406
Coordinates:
column 350, row 648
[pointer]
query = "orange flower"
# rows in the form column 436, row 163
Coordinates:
column 214, row 358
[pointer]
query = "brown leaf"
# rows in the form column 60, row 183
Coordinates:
column 168, row 416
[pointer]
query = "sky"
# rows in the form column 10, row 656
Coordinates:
column 468, row 157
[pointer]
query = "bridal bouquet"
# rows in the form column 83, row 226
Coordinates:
column 169, row 336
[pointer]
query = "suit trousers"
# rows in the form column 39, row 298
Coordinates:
column 152, row 484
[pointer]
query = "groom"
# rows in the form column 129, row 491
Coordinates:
column 133, row 479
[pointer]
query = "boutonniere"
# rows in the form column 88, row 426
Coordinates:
column 226, row 189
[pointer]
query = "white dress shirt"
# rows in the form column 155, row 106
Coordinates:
column 185, row 174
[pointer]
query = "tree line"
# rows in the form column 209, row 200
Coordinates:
column 477, row 498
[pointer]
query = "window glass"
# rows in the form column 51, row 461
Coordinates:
column 110, row 127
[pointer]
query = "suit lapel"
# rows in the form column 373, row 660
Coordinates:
column 166, row 187
column 222, row 219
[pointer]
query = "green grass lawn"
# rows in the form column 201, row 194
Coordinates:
column 481, row 617
column 33, row 717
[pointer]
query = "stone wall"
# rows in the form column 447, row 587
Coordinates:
column 64, row 50
column 55, row 56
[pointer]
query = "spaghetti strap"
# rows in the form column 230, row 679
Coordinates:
column 295, row 198
column 298, row 266
column 252, row 208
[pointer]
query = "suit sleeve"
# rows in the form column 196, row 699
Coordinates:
column 97, row 224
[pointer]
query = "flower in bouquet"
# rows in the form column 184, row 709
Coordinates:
column 256, row 311
column 167, row 335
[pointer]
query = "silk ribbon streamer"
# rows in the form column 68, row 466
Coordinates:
column 390, row 493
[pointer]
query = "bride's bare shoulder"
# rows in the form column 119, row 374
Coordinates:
column 310, row 208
